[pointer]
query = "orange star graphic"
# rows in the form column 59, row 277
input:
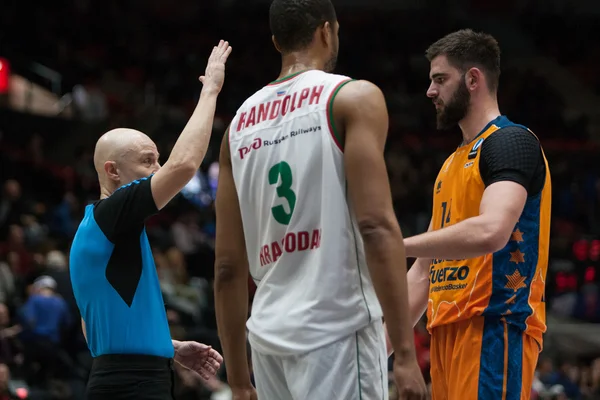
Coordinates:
column 517, row 256
column 517, row 236
column 516, row 281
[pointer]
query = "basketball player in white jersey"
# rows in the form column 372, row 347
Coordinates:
column 304, row 204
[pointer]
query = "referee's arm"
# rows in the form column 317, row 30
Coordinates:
column 231, row 275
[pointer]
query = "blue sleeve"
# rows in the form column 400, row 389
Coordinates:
column 28, row 313
column 126, row 210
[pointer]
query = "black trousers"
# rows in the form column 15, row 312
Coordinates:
column 129, row 376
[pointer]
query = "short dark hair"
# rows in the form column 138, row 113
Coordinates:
column 467, row 49
column 293, row 22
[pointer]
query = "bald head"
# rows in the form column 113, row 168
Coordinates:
column 113, row 145
column 123, row 155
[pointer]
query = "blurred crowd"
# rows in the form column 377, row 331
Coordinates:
column 136, row 63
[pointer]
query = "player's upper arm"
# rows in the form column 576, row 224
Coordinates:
column 126, row 210
column 230, row 248
column 360, row 109
column 501, row 205
column 512, row 168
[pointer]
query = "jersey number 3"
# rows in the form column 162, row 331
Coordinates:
column 284, row 190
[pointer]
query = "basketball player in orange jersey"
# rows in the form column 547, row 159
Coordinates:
column 481, row 268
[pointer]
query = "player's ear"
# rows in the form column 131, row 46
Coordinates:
column 275, row 43
column 110, row 168
column 327, row 34
column 473, row 78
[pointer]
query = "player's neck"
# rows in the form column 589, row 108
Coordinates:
column 477, row 119
column 297, row 62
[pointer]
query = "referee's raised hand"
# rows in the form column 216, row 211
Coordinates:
column 214, row 76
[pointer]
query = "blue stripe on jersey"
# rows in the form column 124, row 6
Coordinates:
column 491, row 362
column 514, row 380
column 511, row 278
column 499, row 341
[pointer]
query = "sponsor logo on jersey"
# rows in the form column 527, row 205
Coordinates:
column 452, row 277
column 279, row 108
column 476, row 146
column 258, row 143
column 292, row 242
column 469, row 164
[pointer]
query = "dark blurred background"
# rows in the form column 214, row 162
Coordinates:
column 70, row 70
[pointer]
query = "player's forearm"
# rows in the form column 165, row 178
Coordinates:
column 190, row 148
column 231, row 304
column 418, row 294
column 387, row 266
column 418, row 289
column 470, row 238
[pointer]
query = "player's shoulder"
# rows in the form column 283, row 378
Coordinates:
column 511, row 135
column 508, row 128
column 509, row 141
column 318, row 74
column 360, row 93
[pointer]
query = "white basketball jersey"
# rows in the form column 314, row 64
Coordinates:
column 304, row 249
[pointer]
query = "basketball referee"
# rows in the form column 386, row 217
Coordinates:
column 112, row 269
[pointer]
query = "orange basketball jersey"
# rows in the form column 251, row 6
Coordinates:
column 509, row 283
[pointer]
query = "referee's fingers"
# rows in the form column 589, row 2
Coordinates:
column 216, row 356
column 213, row 366
column 210, row 370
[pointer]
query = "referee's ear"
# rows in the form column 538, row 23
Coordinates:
column 111, row 171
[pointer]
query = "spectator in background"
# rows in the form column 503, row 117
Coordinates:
column 12, row 206
column 4, row 377
column 595, row 379
column 16, row 245
column 45, row 316
column 587, row 307
column 194, row 243
column 566, row 378
column 57, row 269
column 34, row 233
column 178, row 291
column 7, row 283
column 8, row 347
column 90, row 102
column 63, row 223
